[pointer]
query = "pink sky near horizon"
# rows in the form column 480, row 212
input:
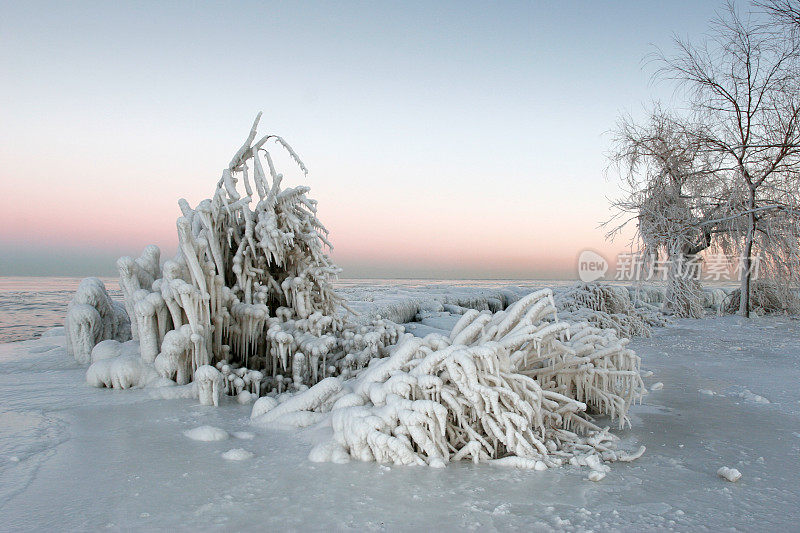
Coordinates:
column 409, row 236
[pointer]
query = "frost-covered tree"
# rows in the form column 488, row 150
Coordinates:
column 742, row 86
column 742, row 110
column 671, row 192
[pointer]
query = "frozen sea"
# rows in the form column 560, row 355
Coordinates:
column 77, row 458
column 31, row 305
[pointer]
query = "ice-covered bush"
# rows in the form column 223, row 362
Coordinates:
column 766, row 297
column 714, row 299
column 250, row 288
column 92, row 317
column 517, row 387
column 610, row 306
column 684, row 298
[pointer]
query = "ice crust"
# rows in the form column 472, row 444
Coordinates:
column 137, row 448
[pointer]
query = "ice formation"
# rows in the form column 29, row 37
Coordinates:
column 92, row 316
column 237, row 454
column 250, row 290
column 126, row 371
column 630, row 312
column 766, row 297
column 209, row 385
column 107, row 349
column 247, row 309
column 516, row 387
column 206, row 433
column 730, row 474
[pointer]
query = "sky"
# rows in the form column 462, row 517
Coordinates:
column 443, row 140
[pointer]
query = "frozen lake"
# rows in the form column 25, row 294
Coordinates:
column 31, row 305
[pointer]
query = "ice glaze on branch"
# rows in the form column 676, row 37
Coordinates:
column 516, row 387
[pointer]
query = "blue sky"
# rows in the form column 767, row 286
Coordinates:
column 443, row 139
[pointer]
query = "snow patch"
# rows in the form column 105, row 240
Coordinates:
column 750, row 396
column 206, row 433
column 731, row 474
column 237, row 454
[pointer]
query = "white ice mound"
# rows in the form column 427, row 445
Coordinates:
column 515, row 385
column 57, row 331
column 206, row 433
column 123, row 372
column 92, row 316
column 750, row 396
column 118, row 365
column 107, row 349
column 237, row 454
column 731, row 474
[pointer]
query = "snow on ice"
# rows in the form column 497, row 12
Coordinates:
column 206, row 433
column 59, row 437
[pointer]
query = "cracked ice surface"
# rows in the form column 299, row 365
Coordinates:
column 75, row 457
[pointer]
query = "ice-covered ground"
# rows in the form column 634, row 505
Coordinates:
column 75, row 457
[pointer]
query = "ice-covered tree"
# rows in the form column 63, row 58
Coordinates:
column 742, row 94
column 671, row 192
column 742, row 86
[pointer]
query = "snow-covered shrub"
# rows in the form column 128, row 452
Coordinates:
column 646, row 294
column 609, row 306
column 250, row 288
column 684, row 298
column 766, row 297
column 516, row 387
column 92, row 316
column 714, row 299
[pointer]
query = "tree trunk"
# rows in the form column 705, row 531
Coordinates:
column 744, row 291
